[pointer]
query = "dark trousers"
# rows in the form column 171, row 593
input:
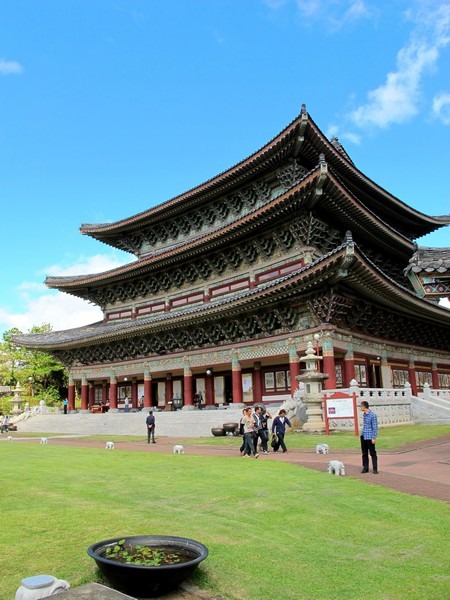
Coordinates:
column 249, row 446
column 151, row 434
column 281, row 441
column 263, row 435
column 367, row 447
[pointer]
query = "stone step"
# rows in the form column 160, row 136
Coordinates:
column 193, row 423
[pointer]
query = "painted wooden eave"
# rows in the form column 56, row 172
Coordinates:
column 344, row 265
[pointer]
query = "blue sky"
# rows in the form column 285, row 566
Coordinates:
column 109, row 107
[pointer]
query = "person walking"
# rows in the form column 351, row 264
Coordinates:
column 368, row 438
column 279, row 428
column 126, row 404
column 151, row 423
column 249, row 425
column 258, row 426
column 264, row 431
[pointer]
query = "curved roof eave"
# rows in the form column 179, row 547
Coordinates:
column 356, row 212
column 245, row 166
column 67, row 283
column 429, row 223
column 360, row 274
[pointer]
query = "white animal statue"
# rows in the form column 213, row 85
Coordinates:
column 322, row 449
column 10, row 438
column 336, row 467
column 109, row 445
column 178, row 449
column 44, row 440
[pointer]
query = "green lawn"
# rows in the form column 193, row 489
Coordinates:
column 273, row 530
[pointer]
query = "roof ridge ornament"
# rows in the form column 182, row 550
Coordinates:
column 323, row 174
column 349, row 255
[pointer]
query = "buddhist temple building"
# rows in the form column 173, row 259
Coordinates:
column 230, row 280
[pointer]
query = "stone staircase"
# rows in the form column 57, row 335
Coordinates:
column 180, row 423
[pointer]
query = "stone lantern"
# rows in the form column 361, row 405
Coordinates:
column 17, row 400
column 312, row 379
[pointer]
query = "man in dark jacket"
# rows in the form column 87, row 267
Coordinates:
column 279, row 425
column 150, row 421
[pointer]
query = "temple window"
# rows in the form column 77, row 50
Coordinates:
column 444, row 381
column 361, row 375
column 400, row 377
column 276, row 380
column 423, row 377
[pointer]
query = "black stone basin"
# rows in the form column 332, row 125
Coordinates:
column 230, row 427
column 218, row 431
column 149, row 581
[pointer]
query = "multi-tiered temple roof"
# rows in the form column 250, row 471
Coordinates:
column 292, row 237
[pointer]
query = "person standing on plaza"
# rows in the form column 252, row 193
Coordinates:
column 200, row 400
column 369, row 438
column 249, row 435
column 126, row 404
column 279, row 428
column 151, row 423
column 65, row 405
column 264, row 431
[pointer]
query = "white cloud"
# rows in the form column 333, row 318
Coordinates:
column 40, row 305
column 85, row 265
column 60, row 310
column 441, row 107
column 335, row 14
column 10, row 67
column 397, row 100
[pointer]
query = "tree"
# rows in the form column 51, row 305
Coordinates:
column 11, row 357
column 36, row 371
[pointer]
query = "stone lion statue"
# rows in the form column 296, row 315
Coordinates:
column 295, row 407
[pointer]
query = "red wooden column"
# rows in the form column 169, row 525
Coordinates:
column 257, row 382
column 104, row 392
column 236, row 379
column 187, row 384
column 294, row 366
column 169, row 388
column 148, row 400
column 84, row 393
column 91, row 395
column 412, row 376
column 329, row 365
column 434, row 376
column 113, row 392
column 209, row 388
column 349, row 366
column 71, row 394
column 134, row 393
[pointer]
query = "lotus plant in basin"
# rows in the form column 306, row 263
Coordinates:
column 147, row 565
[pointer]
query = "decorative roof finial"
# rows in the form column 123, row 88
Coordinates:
column 322, row 158
column 303, row 110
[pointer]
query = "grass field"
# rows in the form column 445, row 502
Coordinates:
column 278, row 531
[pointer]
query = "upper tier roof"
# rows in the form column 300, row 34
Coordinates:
column 336, row 202
column 301, row 138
